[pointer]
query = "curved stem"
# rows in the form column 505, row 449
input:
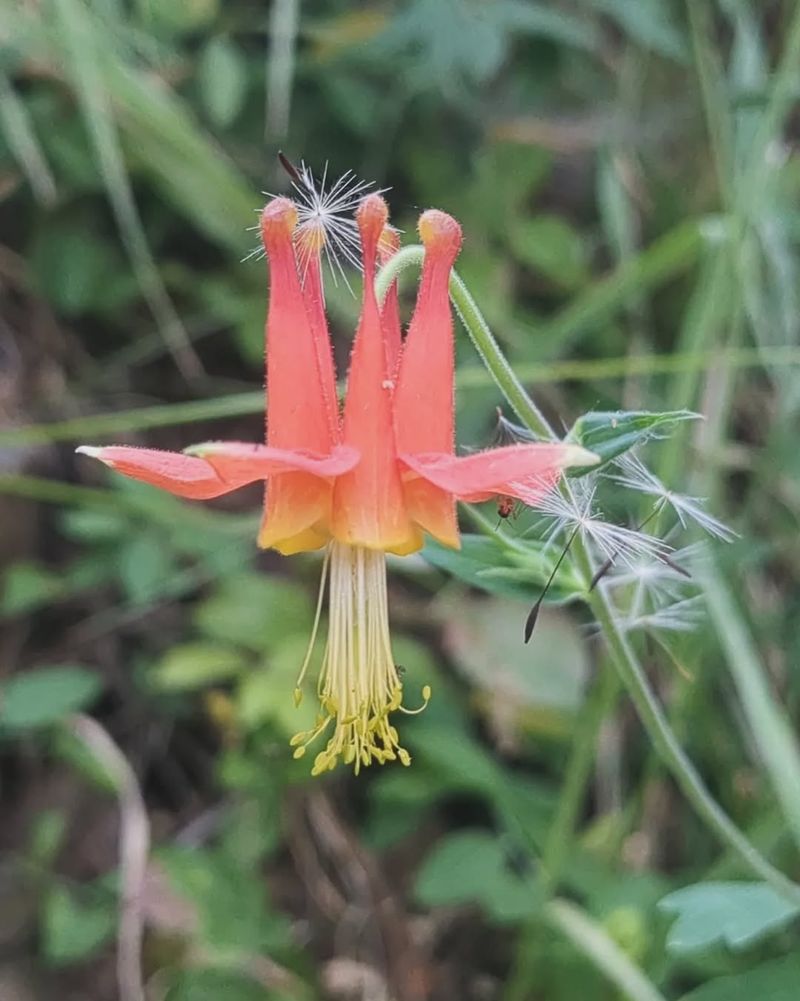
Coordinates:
column 628, row 667
column 409, row 257
column 672, row 754
column 560, row 834
column 591, row 939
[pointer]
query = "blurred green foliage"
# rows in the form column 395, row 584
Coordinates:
column 626, row 176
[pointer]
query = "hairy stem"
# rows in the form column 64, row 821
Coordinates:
column 628, row 667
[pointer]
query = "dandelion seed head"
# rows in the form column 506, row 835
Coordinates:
column 681, row 616
column 657, row 576
column 647, row 583
column 509, row 433
column 326, row 224
column 634, row 475
column 575, row 507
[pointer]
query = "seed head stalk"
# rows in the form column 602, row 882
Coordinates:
column 624, row 658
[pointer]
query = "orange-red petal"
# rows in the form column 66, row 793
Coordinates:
column 230, row 458
column 299, row 407
column 523, row 471
column 368, row 507
column 423, row 403
column 314, row 298
column 180, row 474
column 298, row 497
column 297, row 513
column 297, row 414
column 388, row 246
column 216, row 468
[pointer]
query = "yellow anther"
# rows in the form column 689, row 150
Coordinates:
column 358, row 686
column 298, row 752
column 298, row 697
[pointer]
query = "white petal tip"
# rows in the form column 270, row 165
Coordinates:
column 575, row 455
column 204, row 448
column 91, row 451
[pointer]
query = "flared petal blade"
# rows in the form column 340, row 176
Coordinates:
column 526, row 472
column 231, row 458
column 297, row 511
column 183, row 475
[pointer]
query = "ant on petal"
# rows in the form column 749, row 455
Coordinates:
column 507, row 507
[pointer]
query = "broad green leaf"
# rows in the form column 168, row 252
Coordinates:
column 86, row 525
column 75, row 269
column 44, row 696
column 223, row 80
column 496, row 207
column 184, row 16
column 71, row 930
column 489, row 565
column 265, row 693
column 70, row 749
column 776, row 980
column 194, row 665
column 551, row 247
column 46, row 838
column 648, row 22
column 256, row 611
column 28, row 586
column 472, row 867
column 231, row 905
column 461, row 42
column 145, row 567
column 611, row 433
column 735, row 914
column 458, row 763
column 213, row 985
column 537, row 686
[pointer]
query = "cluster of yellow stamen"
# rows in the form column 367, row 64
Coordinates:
column 359, row 683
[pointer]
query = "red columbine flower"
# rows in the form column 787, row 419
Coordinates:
column 367, row 481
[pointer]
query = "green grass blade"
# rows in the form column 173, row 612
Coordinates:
column 22, row 141
column 671, row 255
column 83, row 55
column 770, row 728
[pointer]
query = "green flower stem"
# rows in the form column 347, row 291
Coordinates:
column 590, row 938
column 495, row 361
column 670, row 750
column 480, row 334
column 600, row 703
column 628, row 667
